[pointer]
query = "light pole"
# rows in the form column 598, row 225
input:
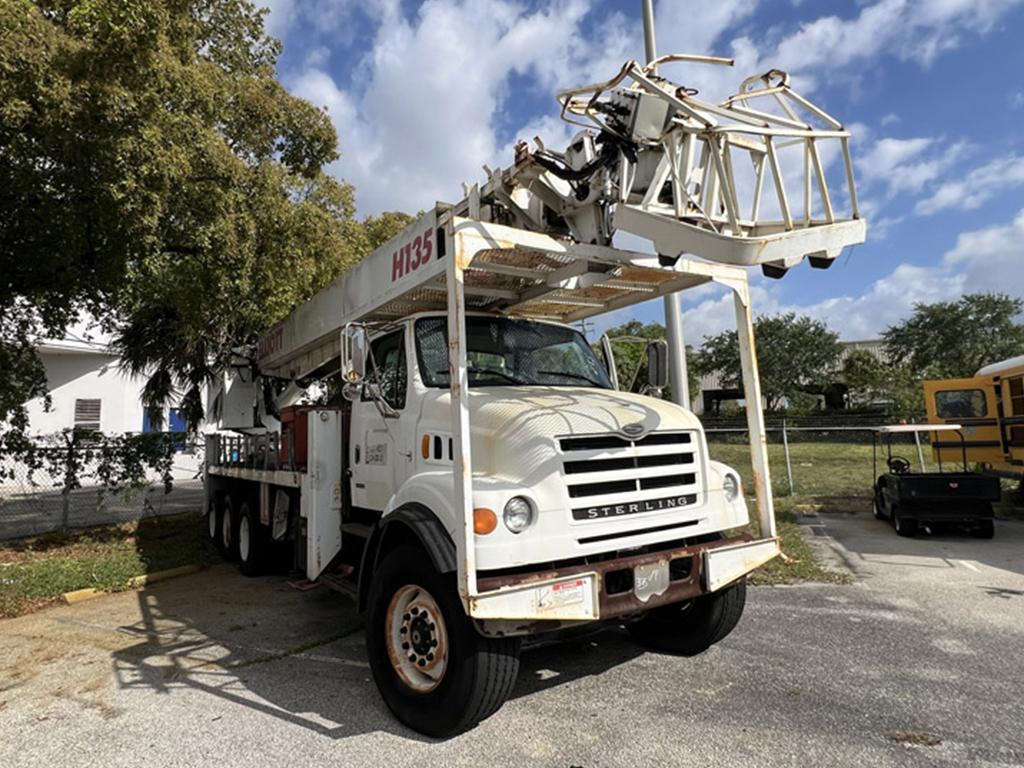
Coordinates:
column 673, row 305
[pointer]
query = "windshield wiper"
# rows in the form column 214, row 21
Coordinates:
column 496, row 372
column 579, row 376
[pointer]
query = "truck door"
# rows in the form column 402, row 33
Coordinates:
column 971, row 403
column 379, row 446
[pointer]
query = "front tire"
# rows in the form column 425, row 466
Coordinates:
column 905, row 526
column 877, row 509
column 692, row 627
column 436, row 673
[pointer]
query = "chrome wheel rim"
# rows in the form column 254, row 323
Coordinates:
column 417, row 639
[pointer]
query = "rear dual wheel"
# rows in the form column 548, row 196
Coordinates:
column 253, row 541
column 228, row 529
column 213, row 513
column 240, row 536
column 435, row 672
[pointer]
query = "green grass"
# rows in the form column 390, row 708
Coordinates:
column 827, row 477
column 36, row 572
column 832, row 478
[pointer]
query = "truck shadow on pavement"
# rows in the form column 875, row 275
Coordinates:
column 297, row 657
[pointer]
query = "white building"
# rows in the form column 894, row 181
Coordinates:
column 87, row 391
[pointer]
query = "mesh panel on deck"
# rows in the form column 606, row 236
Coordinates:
column 522, row 289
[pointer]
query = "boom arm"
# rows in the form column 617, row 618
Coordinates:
column 691, row 176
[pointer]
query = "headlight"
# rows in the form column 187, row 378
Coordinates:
column 518, row 514
column 731, row 486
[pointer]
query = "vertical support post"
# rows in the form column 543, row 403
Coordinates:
column 920, row 453
column 672, row 305
column 70, row 473
column 676, row 351
column 650, row 50
column 755, row 416
column 458, row 378
column 789, row 466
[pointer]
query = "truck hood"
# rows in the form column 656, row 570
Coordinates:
column 514, row 429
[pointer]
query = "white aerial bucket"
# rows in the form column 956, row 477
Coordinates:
column 744, row 181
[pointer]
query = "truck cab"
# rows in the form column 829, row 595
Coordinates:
column 566, row 465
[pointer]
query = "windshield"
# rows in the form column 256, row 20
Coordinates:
column 503, row 351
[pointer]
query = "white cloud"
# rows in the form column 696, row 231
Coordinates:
column 916, row 30
column 909, row 165
column 971, row 190
column 419, row 119
column 990, row 259
column 326, row 16
column 983, row 260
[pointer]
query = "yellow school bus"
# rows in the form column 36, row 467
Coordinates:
column 990, row 406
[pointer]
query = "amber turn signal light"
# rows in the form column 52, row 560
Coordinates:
column 484, row 521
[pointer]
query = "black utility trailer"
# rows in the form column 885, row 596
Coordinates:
column 911, row 499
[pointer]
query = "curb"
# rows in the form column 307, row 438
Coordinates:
column 89, row 593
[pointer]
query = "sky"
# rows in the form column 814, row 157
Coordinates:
column 423, row 94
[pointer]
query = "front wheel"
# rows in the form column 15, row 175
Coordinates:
column 905, row 526
column 877, row 508
column 436, row 673
column 694, row 626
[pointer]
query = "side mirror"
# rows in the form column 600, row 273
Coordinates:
column 657, row 365
column 355, row 347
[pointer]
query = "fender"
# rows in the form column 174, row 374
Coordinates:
column 410, row 519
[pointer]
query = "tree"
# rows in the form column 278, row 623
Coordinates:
column 951, row 339
column 865, row 376
column 631, row 358
column 154, row 174
column 794, row 355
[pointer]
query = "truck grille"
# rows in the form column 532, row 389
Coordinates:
column 612, row 475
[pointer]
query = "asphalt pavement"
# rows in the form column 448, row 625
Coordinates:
column 917, row 662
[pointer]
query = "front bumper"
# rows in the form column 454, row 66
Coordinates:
column 611, row 588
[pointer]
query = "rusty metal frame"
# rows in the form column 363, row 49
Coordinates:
column 466, row 240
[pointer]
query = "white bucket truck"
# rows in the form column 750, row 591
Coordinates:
column 471, row 476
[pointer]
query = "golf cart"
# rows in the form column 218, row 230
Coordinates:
column 914, row 499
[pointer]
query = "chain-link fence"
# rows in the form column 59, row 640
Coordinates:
column 46, row 497
column 824, row 455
